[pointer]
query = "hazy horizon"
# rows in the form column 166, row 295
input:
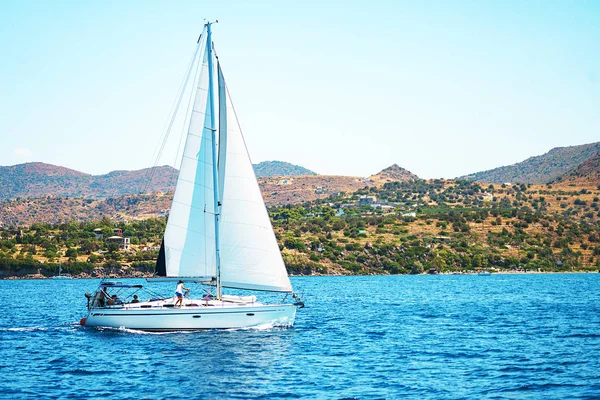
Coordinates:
column 317, row 172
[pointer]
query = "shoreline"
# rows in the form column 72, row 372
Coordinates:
column 510, row 272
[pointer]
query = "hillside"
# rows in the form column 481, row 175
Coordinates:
column 414, row 227
column 55, row 210
column 393, row 173
column 275, row 190
column 37, row 179
column 300, row 189
column 587, row 174
column 280, row 168
column 539, row 169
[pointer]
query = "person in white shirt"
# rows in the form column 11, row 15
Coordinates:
column 179, row 293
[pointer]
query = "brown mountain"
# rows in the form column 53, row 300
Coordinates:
column 280, row 168
column 58, row 209
column 586, row 174
column 540, row 169
column 298, row 189
column 38, row 179
column 393, row 173
column 275, row 190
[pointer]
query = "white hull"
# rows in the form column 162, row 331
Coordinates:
column 160, row 316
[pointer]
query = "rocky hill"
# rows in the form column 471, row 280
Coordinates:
column 280, row 168
column 38, row 179
column 587, row 174
column 416, row 226
column 540, row 169
column 276, row 191
column 300, row 189
column 393, row 173
column 55, row 210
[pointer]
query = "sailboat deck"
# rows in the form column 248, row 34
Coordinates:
column 187, row 304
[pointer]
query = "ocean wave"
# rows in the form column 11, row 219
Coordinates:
column 25, row 329
column 78, row 371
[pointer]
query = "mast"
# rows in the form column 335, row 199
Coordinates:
column 212, row 128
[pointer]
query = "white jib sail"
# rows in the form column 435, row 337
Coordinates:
column 250, row 256
column 189, row 236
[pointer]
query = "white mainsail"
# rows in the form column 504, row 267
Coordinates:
column 189, row 237
column 249, row 253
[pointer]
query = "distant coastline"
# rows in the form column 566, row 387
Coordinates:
column 144, row 276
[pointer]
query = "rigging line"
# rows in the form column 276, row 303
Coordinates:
column 169, row 124
column 238, row 123
column 174, row 111
column 185, row 126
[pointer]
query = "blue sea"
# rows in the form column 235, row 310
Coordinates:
column 384, row 337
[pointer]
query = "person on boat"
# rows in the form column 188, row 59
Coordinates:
column 179, row 293
column 135, row 299
column 114, row 300
column 100, row 298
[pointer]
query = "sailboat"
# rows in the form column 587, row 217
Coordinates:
column 60, row 275
column 218, row 232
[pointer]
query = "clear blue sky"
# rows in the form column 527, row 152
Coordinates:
column 442, row 88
